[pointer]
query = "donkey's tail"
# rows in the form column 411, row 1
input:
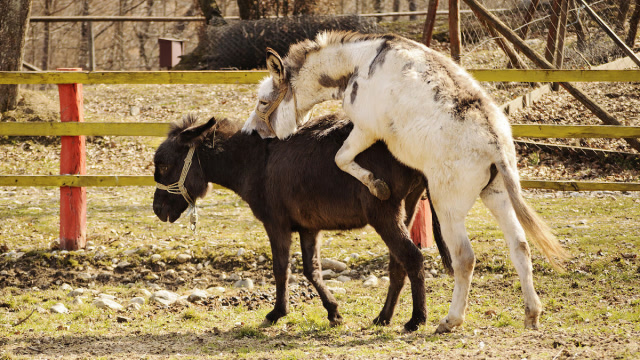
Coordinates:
column 535, row 228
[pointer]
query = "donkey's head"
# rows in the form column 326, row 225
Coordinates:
column 179, row 176
column 276, row 113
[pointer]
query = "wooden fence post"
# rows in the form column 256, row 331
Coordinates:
column 73, row 200
column 422, row 227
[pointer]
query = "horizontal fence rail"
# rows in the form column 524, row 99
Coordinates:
column 253, row 77
column 147, row 180
column 161, row 130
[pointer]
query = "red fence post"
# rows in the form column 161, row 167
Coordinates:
column 422, row 228
column 73, row 200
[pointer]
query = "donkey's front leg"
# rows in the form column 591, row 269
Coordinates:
column 313, row 272
column 356, row 143
column 280, row 240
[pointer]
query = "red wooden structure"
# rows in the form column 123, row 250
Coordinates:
column 421, row 230
column 73, row 200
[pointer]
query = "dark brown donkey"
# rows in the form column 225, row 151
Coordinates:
column 295, row 185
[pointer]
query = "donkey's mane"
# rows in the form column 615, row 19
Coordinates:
column 224, row 125
column 299, row 51
column 177, row 126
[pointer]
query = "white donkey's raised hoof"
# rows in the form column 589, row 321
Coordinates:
column 434, row 117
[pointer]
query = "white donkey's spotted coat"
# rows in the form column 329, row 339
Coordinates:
column 433, row 116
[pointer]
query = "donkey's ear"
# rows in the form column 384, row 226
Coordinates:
column 191, row 135
column 275, row 67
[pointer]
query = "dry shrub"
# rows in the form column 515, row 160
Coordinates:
column 242, row 45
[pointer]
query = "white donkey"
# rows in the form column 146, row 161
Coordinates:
column 433, row 116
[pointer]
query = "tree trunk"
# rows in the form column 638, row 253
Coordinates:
column 14, row 22
column 83, row 56
column 413, row 7
column 249, row 9
column 622, row 15
column 48, row 7
column 142, row 32
column 211, row 12
column 633, row 25
column 396, row 8
column 581, row 33
column 302, row 7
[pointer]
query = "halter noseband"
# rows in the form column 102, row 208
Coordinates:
column 266, row 115
column 179, row 189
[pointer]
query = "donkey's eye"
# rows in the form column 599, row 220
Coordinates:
column 163, row 169
column 264, row 103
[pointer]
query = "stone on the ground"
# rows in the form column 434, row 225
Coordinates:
column 84, row 276
column 134, row 306
column 216, row 290
column 370, row 281
column 337, row 290
column 65, row 287
column 343, row 278
column 106, row 296
column 105, row 303
column 122, row 319
column 234, row 277
column 241, row 252
column 144, row 292
column 197, row 295
column 77, row 301
column 170, row 272
column 156, row 257
column 328, row 274
column 385, row 279
column 164, row 297
column 134, row 110
column 137, row 300
column 76, row 292
column 334, row 265
column 433, row 272
column 261, row 259
column 59, row 308
column 244, row 283
column 183, row 258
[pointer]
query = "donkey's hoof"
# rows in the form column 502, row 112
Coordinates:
column 443, row 328
column 413, row 324
column 381, row 190
column 267, row 323
column 531, row 324
column 379, row 321
column 335, row 322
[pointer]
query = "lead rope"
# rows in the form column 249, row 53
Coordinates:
column 179, row 189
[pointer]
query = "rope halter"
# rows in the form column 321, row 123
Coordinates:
column 179, row 189
column 266, row 115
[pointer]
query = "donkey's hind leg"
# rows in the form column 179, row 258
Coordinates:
column 495, row 198
column 313, row 272
column 397, row 275
column 452, row 201
column 357, row 142
column 396, row 237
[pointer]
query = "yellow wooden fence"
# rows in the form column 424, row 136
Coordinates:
column 253, row 77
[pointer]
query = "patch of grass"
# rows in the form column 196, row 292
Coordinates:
column 503, row 320
column 249, row 332
column 191, row 315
